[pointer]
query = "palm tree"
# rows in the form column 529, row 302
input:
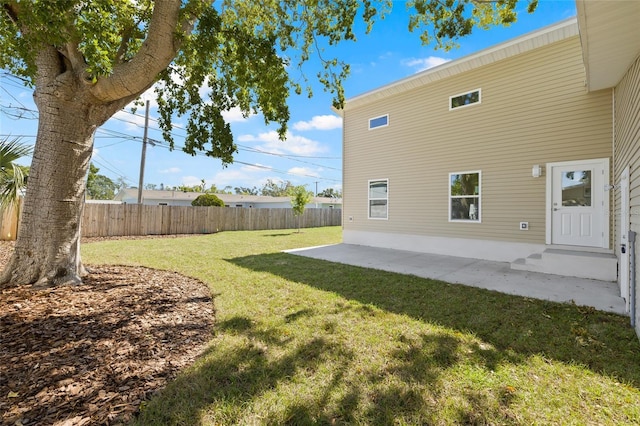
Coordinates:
column 13, row 177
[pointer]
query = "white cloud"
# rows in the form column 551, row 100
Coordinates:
column 191, row 180
column 303, row 171
column 293, row 144
column 235, row 115
column 170, row 170
column 422, row 64
column 319, row 122
column 248, row 176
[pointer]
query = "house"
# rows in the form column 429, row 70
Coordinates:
column 527, row 152
column 180, row 198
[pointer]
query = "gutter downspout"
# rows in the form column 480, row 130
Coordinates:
column 632, row 272
column 614, row 169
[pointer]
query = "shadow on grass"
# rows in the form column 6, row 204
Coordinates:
column 515, row 326
column 281, row 234
column 317, row 378
column 222, row 387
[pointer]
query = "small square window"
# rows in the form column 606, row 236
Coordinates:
column 465, row 99
column 464, row 196
column 381, row 121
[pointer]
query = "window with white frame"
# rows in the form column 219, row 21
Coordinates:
column 378, row 198
column 464, row 196
column 376, row 122
column 465, row 99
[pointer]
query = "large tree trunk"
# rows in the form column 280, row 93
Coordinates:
column 72, row 105
column 47, row 250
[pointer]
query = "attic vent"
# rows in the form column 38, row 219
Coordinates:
column 381, row 121
column 465, row 99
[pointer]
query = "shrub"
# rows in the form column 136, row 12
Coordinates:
column 208, row 200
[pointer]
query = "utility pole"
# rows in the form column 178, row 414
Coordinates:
column 144, row 152
column 316, row 193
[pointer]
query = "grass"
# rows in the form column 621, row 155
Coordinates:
column 302, row 341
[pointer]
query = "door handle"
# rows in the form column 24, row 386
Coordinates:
column 623, row 248
column 555, row 209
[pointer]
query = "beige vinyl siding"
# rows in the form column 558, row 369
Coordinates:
column 627, row 153
column 534, row 110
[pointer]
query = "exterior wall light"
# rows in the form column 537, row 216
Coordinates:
column 536, row 171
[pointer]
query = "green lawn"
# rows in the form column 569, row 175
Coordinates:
column 302, row 341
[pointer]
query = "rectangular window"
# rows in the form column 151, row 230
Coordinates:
column 464, row 196
column 465, row 99
column 378, row 198
column 381, row 121
column 576, row 188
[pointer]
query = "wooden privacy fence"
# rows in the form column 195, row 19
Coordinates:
column 107, row 220
column 9, row 225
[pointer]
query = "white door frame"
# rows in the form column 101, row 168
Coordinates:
column 623, row 273
column 605, row 199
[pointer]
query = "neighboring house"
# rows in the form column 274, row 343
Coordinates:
column 180, row 198
column 527, row 152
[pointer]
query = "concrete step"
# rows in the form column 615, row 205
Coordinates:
column 571, row 263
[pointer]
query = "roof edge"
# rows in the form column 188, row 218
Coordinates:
column 547, row 35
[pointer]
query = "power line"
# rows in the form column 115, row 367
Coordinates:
column 126, row 137
column 259, row 151
column 260, row 166
column 250, row 149
column 239, row 145
column 115, row 172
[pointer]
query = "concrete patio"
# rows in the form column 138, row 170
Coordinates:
column 498, row 276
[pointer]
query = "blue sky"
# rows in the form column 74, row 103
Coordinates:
column 312, row 153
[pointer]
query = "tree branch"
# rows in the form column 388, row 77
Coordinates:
column 124, row 43
column 11, row 9
column 166, row 29
column 76, row 60
column 124, row 46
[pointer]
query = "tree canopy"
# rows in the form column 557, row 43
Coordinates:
column 208, row 200
column 300, row 197
column 242, row 190
column 99, row 187
column 330, row 193
column 276, row 188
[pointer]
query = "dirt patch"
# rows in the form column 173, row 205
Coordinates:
column 92, row 354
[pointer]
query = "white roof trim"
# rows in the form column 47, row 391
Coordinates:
column 610, row 40
column 547, row 35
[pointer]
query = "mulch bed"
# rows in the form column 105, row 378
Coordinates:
column 91, row 354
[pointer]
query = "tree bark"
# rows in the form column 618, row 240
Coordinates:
column 47, row 250
column 71, row 107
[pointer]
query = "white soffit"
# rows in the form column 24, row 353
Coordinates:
column 547, row 35
column 610, row 37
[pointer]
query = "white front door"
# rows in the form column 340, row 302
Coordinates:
column 578, row 216
column 623, row 274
